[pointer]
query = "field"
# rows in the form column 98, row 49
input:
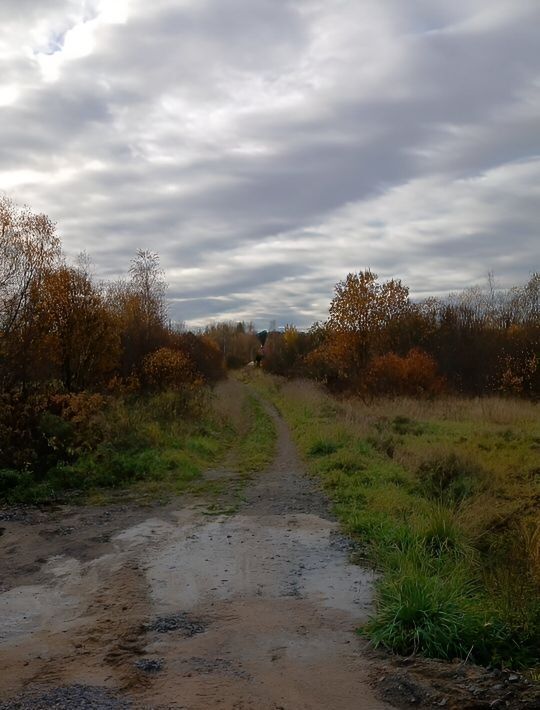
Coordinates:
column 443, row 497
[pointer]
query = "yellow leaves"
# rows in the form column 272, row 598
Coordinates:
column 362, row 304
column 291, row 337
column 77, row 330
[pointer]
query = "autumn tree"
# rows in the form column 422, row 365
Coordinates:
column 28, row 248
column 203, row 352
column 166, row 368
column 361, row 316
column 236, row 340
column 285, row 351
column 140, row 309
column 81, row 337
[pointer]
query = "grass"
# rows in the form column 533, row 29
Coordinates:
column 443, row 495
column 253, row 449
column 257, row 446
column 150, row 448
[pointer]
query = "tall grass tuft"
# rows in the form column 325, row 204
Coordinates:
column 421, row 612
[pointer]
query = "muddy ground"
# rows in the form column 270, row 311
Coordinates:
column 169, row 607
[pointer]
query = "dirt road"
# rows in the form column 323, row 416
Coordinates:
column 166, row 607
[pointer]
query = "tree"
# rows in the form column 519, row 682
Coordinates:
column 237, row 341
column 362, row 305
column 140, row 309
column 28, row 248
column 362, row 315
column 81, row 336
column 147, row 281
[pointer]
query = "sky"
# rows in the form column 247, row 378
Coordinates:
column 266, row 148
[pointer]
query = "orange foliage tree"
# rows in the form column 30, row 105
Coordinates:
column 80, row 332
column 361, row 316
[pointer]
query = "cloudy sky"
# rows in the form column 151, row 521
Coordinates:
column 265, row 148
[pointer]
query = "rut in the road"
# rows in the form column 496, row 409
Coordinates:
column 285, row 487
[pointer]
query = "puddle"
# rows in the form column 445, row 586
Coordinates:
column 268, row 557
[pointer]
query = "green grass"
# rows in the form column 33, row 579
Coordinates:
column 145, row 446
column 444, row 497
column 148, row 448
column 256, row 449
column 253, row 449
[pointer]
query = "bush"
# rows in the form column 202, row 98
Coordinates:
column 10, row 479
column 204, row 354
column 233, row 362
column 414, row 375
column 170, row 369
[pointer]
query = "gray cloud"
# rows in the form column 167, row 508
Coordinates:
column 266, row 149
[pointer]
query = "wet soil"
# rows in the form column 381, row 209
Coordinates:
column 164, row 606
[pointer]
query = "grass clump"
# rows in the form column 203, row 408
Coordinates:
column 441, row 534
column 323, row 447
column 449, row 477
column 422, row 612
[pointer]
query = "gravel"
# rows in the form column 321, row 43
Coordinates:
column 73, row 697
column 150, row 665
column 179, row 622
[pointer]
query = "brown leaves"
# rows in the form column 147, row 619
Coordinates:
column 414, row 375
column 168, row 369
column 78, row 329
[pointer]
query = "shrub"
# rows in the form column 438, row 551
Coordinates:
column 169, row 369
column 234, row 362
column 205, row 355
column 415, row 375
column 10, row 479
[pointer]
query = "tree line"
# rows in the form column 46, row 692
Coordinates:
column 60, row 327
column 70, row 345
column 376, row 340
